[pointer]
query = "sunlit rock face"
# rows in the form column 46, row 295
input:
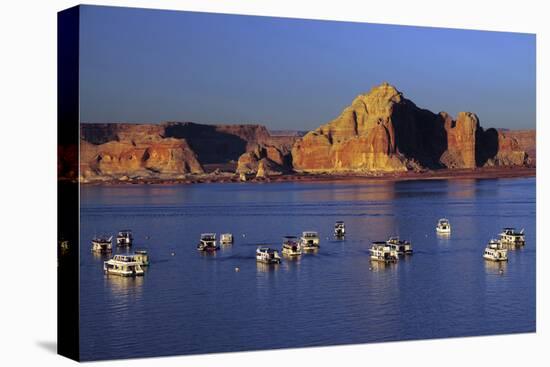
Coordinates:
column 264, row 161
column 172, row 149
column 383, row 131
column 114, row 159
column 461, row 140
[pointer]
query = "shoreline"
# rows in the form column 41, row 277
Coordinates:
column 227, row 177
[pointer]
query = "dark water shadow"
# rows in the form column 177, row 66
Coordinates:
column 48, row 345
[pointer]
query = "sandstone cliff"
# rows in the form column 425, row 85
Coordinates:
column 383, row 131
column 172, row 149
column 265, row 161
column 166, row 158
column 526, row 141
column 380, row 131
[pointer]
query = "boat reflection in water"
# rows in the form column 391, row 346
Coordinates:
column 124, row 286
column 379, row 266
column 208, row 253
column 294, row 259
column 443, row 238
column 496, row 267
column 267, row 268
column 101, row 255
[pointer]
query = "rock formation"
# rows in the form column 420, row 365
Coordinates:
column 211, row 143
column 118, row 159
column 383, row 131
column 173, row 149
column 461, row 140
column 526, row 141
column 509, row 153
column 264, row 161
column 380, row 131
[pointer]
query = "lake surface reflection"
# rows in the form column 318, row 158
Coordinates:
column 188, row 302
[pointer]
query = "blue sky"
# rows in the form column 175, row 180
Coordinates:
column 142, row 65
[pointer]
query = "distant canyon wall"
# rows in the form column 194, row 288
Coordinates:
column 172, row 149
column 380, row 131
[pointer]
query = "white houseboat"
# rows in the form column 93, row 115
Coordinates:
column 402, row 247
column 495, row 251
column 226, row 239
column 208, row 242
column 142, row 257
column 309, row 241
column 124, row 238
column 123, row 265
column 102, row 244
column 291, row 246
column 267, row 255
column 339, row 229
column 443, row 226
column 509, row 236
column 380, row 251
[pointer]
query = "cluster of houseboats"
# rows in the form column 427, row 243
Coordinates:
column 293, row 246
column 496, row 249
column 509, row 238
column 121, row 264
column 309, row 241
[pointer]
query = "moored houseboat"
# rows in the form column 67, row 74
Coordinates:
column 142, row 257
column 208, row 242
column 226, row 239
column 339, row 229
column 291, row 246
column 443, row 226
column 509, row 236
column 495, row 251
column 380, row 251
column 124, row 238
column 267, row 255
column 123, row 265
column 402, row 247
column 309, row 241
column 102, row 244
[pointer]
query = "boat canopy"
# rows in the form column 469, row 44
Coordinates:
column 124, row 258
column 310, row 234
column 265, row 249
column 102, row 239
column 512, row 230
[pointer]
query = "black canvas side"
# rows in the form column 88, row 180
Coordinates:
column 68, row 248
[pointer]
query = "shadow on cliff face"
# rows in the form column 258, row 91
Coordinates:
column 486, row 145
column 210, row 145
column 99, row 133
column 420, row 134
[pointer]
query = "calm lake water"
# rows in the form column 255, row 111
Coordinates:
column 196, row 303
